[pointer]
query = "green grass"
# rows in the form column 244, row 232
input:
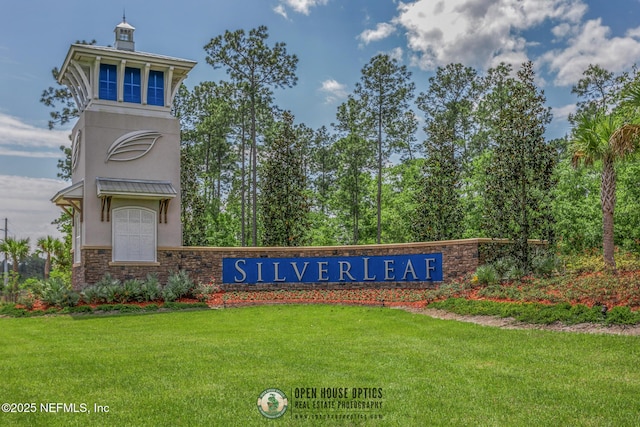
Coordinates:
column 209, row 367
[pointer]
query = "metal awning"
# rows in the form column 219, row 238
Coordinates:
column 70, row 198
column 135, row 188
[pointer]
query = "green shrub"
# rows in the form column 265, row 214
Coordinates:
column 544, row 265
column 583, row 314
column 591, row 261
column 178, row 285
column 502, row 292
column 540, row 313
column 184, row 305
column 110, row 293
column 622, row 316
column 34, row 286
column 11, row 310
column 503, row 265
column 515, row 273
column 108, row 289
column 91, row 295
column 131, row 291
column 128, row 308
column 37, row 313
column 203, row 291
column 81, row 309
column 28, row 300
column 487, row 275
column 150, row 288
column 59, row 294
column 151, row 307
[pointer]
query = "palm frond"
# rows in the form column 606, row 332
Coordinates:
column 631, row 96
column 625, row 139
column 589, row 141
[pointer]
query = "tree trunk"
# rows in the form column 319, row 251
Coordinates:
column 47, row 266
column 608, row 201
column 243, row 200
column 254, row 172
column 379, row 198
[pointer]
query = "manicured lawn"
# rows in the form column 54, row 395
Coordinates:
column 209, row 367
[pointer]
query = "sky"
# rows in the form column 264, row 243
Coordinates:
column 333, row 40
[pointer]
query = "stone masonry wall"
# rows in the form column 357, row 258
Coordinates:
column 459, row 257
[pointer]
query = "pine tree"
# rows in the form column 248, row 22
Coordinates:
column 449, row 125
column 254, row 67
column 384, row 95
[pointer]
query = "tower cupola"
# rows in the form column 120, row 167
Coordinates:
column 124, row 35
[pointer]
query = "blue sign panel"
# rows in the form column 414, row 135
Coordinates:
column 391, row 268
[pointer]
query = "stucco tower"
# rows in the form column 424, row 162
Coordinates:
column 125, row 153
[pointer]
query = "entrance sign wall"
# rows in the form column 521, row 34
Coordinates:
column 329, row 267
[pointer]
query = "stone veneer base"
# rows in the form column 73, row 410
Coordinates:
column 459, row 258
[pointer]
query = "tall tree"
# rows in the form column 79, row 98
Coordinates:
column 193, row 206
column 448, row 106
column 520, row 174
column 494, row 97
column 355, row 156
column 210, row 142
column 323, row 165
column 256, row 68
column 384, row 94
column 599, row 91
column 438, row 214
column 285, row 204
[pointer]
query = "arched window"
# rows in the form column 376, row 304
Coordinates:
column 134, row 234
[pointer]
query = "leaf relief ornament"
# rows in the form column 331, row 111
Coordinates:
column 132, row 146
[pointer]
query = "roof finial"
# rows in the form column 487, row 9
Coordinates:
column 124, row 15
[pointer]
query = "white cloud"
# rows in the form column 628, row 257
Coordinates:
column 20, row 139
column 562, row 30
column 26, row 204
column 382, row 31
column 280, row 10
column 334, row 90
column 300, row 6
column 562, row 113
column 477, row 32
column 396, row 53
column 593, row 45
column 633, row 32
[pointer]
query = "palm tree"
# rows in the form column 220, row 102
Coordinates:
column 48, row 245
column 17, row 250
column 607, row 138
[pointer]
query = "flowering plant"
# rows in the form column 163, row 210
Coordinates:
column 203, row 291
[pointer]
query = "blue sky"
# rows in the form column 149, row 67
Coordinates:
column 333, row 40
